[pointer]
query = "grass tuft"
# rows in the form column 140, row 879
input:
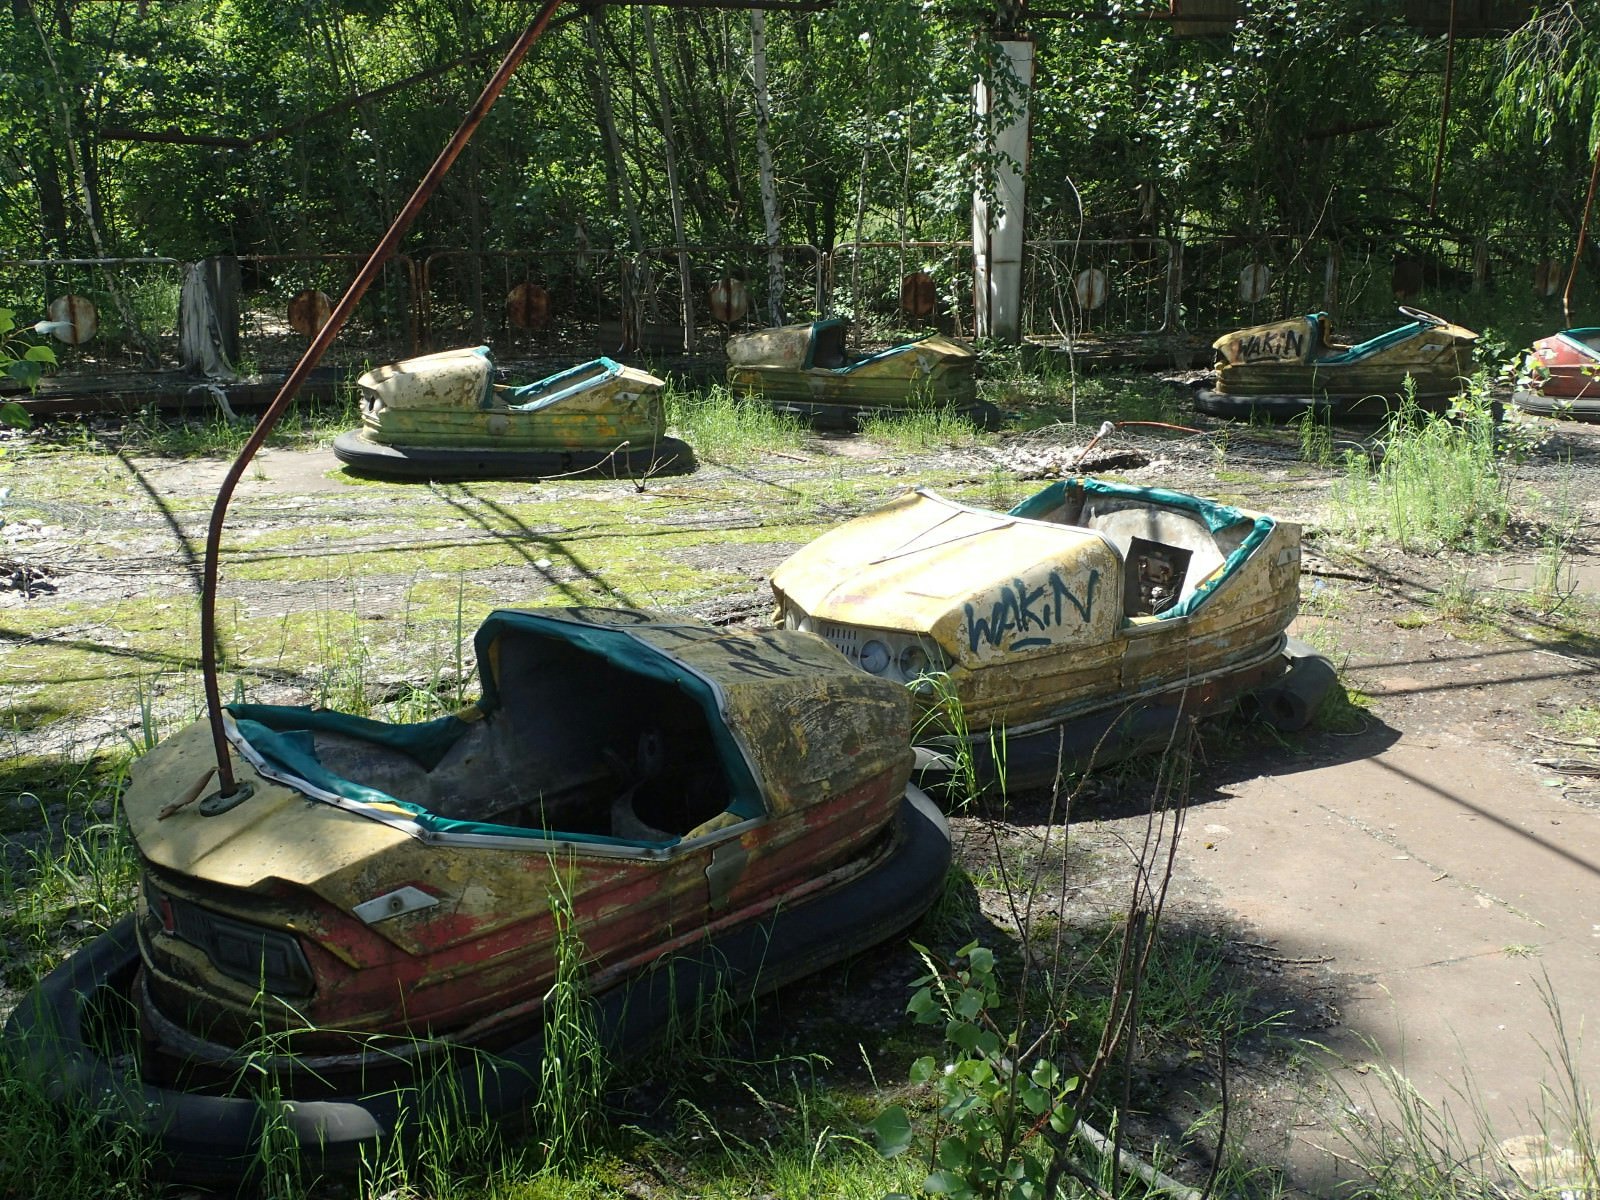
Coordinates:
column 1438, row 484
column 725, row 427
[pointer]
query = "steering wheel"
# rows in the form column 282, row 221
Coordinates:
column 1427, row 318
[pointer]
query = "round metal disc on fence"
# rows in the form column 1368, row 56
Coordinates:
column 309, row 311
column 730, row 300
column 1547, row 276
column 1090, row 289
column 528, row 307
column 79, row 315
column 918, row 294
column 1255, row 281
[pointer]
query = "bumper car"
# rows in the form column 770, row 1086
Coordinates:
column 1290, row 367
column 808, row 370
column 443, row 416
column 376, row 923
column 1078, row 627
column 1563, row 377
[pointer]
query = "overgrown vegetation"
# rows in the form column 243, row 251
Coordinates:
column 726, row 427
column 1436, row 483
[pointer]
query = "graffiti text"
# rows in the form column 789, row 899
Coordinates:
column 1022, row 608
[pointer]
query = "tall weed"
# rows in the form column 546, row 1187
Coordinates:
column 1438, row 483
column 725, row 427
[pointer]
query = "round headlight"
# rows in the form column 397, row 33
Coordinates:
column 914, row 662
column 875, row 657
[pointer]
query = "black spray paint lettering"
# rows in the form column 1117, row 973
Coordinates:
column 1285, row 343
column 1023, row 609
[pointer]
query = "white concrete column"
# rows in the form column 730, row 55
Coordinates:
column 998, row 233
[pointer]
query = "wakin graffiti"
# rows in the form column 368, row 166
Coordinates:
column 1023, row 609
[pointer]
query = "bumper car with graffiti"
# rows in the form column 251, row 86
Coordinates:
column 1289, row 367
column 1076, row 628
column 378, row 926
column 1562, row 376
column 809, row 371
column 444, row 416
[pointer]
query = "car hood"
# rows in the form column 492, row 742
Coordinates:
column 972, row 580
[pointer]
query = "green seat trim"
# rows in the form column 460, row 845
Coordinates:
column 615, row 644
column 1215, row 516
column 284, row 736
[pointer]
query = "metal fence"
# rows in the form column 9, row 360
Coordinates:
column 545, row 304
column 1074, row 288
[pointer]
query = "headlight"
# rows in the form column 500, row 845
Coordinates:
column 914, row 662
column 875, row 657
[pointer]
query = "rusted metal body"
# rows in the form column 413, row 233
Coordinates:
column 809, row 370
column 1563, row 376
column 1287, row 367
column 526, row 794
column 688, row 793
column 444, row 416
column 1084, row 601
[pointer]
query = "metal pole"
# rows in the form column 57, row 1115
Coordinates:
column 226, row 785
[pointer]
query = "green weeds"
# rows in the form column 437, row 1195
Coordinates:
column 725, row 427
column 920, row 429
column 1437, row 485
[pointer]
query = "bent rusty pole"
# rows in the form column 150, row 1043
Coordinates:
column 226, row 785
column 1583, row 233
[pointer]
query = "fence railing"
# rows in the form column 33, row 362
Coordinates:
column 572, row 301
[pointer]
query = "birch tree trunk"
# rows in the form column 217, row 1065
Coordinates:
column 769, row 186
column 674, row 192
column 615, row 169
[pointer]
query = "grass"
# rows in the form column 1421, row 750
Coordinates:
column 1438, row 485
column 728, row 428
column 922, row 429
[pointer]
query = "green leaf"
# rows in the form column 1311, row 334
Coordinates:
column 24, row 371
column 953, row 1154
column 1034, row 1099
column 921, row 1005
column 941, row 1183
column 14, row 415
column 8, row 320
column 1044, row 1073
column 982, row 959
column 892, row 1131
column 923, row 1069
column 40, row 354
column 969, row 1004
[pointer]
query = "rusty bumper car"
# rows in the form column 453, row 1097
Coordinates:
column 1290, row 367
column 1562, row 378
column 809, row 371
column 377, row 923
column 1081, row 625
column 444, row 416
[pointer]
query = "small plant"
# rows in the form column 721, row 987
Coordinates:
column 995, row 1097
column 1438, row 484
column 21, row 362
column 573, row 1069
column 921, row 428
column 1316, row 437
column 724, row 427
column 945, row 718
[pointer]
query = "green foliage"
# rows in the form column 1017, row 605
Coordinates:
column 724, row 427
column 921, row 429
column 21, row 362
column 995, row 1097
column 1437, row 485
